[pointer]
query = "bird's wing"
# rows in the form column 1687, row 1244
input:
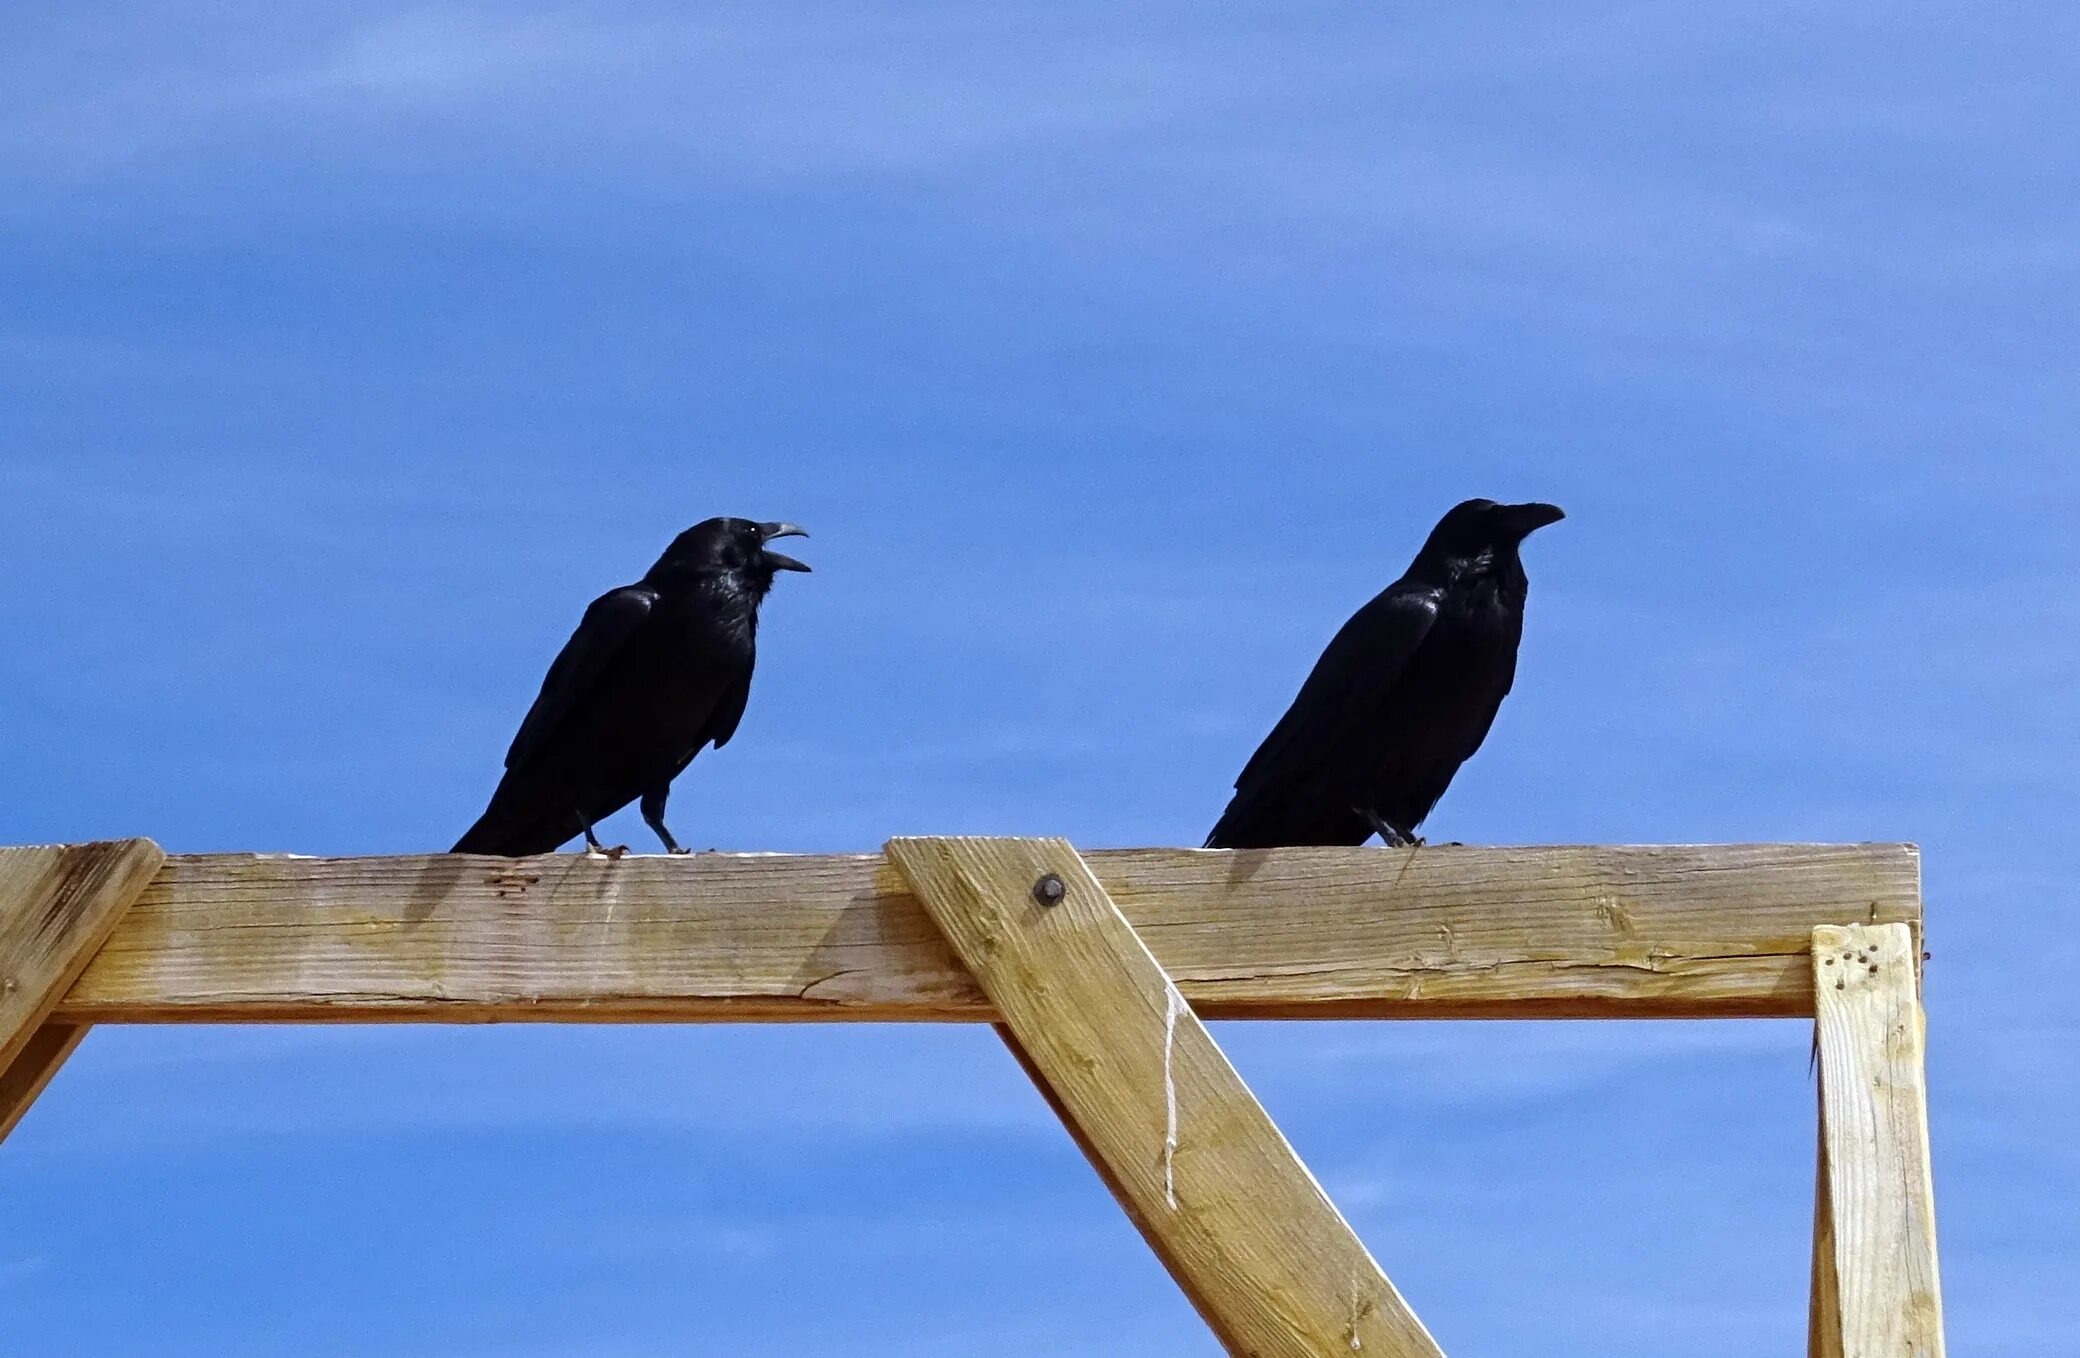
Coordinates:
column 1362, row 662
column 606, row 627
column 723, row 716
column 729, row 710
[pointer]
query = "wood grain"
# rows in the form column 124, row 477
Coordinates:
column 58, row 903
column 1880, row 1207
column 32, row 1070
column 1824, row 1313
column 1201, row 1168
column 1649, row 932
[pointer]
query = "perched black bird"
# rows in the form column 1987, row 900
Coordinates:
column 655, row 671
column 1404, row 694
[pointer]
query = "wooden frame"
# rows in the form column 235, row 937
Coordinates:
column 58, row 905
column 1874, row 1258
column 1097, row 972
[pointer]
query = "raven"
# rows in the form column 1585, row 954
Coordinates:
column 1404, row 694
column 655, row 671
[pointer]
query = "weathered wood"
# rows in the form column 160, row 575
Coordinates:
column 58, row 903
column 1438, row 932
column 1201, row 1168
column 1824, row 1313
column 1880, row 1199
column 27, row 1075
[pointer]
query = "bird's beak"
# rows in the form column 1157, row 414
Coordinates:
column 776, row 560
column 1529, row 518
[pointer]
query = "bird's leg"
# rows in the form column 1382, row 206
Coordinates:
column 653, row 816
column 593, row 848
column 1393, row 836
column 1388, row 835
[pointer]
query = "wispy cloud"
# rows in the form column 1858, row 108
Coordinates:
column 793, row 92
column 1115, row 353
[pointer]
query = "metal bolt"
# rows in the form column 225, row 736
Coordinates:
column 1049, row 890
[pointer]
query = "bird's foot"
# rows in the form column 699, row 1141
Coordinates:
column 678, row 851
column 611, row 852
column 1390, row 834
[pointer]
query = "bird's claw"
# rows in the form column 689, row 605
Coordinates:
column 679, row 852
column 615, row 852
column 1391, row 835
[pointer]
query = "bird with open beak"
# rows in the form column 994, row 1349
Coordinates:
column 656, row 672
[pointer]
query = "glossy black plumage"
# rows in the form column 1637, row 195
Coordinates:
column 656, row 672
column 1403, row 695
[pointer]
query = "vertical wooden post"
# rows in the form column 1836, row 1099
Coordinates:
column 1824, row 1315
column 58, row 904
column 1183, row 1144
column 1875, row 1287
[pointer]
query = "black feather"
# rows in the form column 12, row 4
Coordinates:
column 656, row 672
column 1404, row 694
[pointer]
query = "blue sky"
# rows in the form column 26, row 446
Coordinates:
column 1113, row 353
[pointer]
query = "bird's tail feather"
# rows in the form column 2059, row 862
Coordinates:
column 1255, row 820
column 515, row 826
column 1240, row 827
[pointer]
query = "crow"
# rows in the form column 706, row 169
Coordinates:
column 1404, row 694
column 656, row 671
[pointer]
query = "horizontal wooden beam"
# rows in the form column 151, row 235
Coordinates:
column 1435, row 932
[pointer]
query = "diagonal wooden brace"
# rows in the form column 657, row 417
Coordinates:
column 1875, row 1291
column 1169, row 1125
column 58, row 905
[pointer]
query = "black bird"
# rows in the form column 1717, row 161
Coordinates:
column 656, row 671
column 1404, row 694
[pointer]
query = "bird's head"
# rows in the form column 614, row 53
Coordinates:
column 1475, row 526
column 1474, row 532
column 736, row 546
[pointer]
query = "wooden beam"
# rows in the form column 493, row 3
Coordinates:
column 1824, row 1314
column 1439, row 932
column 1882, row 1298
column 58, row 903
column 1200, row 1167
column 26, row 1076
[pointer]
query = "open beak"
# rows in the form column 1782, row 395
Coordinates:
column 1529, row 518
column 773, row 559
